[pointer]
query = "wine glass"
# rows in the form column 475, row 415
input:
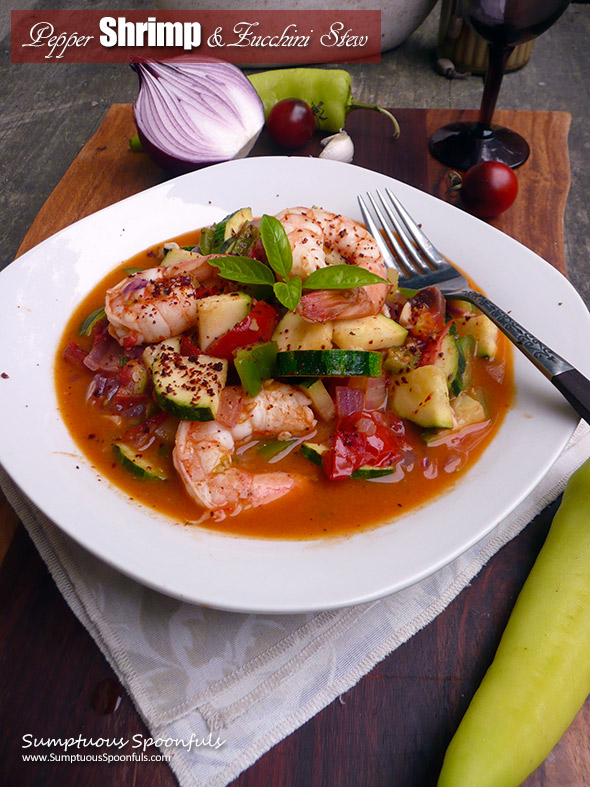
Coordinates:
column 503, row 24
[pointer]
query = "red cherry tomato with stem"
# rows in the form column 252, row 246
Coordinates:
column 488, row 189
column 290, row 123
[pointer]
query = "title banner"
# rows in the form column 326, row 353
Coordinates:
column 248, row 37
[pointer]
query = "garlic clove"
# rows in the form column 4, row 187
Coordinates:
column 338, row 147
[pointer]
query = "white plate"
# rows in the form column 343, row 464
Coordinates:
column 39, row 292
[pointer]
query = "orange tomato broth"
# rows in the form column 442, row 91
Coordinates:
column 319, row 508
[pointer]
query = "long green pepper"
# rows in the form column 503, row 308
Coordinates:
column 540, row 675
column 327, row 91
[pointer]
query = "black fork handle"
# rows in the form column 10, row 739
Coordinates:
column 571, row 383
column 576, row 389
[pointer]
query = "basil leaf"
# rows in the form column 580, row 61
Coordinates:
column 276, row 245
column 90, row 322
column 243, row 269
column 341, row 277
column 288, row 292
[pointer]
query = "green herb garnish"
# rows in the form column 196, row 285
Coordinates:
column 341, row 277
column 276, row 245
column 287, row 290
column 243, row 269
column 90, row 322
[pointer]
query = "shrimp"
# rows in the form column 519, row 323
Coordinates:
column 203, row 452
column 157, row 303
column 319, row 239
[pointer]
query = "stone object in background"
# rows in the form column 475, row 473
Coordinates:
column 399, row 18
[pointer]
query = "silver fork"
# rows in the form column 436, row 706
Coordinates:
column 419, row 264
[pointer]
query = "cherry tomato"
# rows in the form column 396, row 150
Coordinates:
column 364, row 437
column 489, row 188
column 291, row 123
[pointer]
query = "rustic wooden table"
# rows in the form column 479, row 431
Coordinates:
column 392, row 727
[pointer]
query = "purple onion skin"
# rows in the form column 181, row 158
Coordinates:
column 168, row 163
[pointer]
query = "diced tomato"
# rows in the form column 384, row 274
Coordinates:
column 426, row 317
column 188, row 347
column 204, row 291
column 75, row 355
column 363, row 438
column 257, row 326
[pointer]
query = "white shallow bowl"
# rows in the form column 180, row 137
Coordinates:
column 41, row 289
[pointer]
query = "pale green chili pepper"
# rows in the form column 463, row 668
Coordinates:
column 540, row 675
column 327, row 91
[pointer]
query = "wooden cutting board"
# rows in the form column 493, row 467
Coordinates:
column 106, row 170
column 400, row 717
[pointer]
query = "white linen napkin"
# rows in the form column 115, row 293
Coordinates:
column 237, row 682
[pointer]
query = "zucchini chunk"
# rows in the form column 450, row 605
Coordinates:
column 484, row 331
column 376, row 332
column 295, row 333
column 422, row 396
column 235, row 222
column 402, row 359
column 189, row 388
column 176, row 256
column 467, row 347
column 321, row 401
column 136, row 463
column 215, row 237
column 153, row 350
column 466, row 411
column 313, row 451
column 218, row 314
column 329, row 363
column 451, row 360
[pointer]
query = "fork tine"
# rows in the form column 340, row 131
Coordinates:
column 405, row 238
column 388, row 258
column 400, row 263
column 424, row 244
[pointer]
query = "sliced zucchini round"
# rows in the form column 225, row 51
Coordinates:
column 329, row 363
column 137, row 464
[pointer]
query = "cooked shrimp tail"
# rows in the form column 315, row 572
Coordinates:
column 203, row 453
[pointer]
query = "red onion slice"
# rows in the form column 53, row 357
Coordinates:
column 192, row 111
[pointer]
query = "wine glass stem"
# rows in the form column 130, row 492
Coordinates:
column 497, row 58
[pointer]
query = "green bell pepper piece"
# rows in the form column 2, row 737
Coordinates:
column 255, row 364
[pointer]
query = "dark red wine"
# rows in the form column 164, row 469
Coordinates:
column 503, row 24
column 511, row 22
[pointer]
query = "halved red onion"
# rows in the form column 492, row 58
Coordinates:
column 192, row 111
